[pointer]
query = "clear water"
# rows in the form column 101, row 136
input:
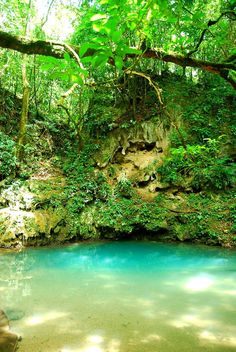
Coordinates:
column 121, row 297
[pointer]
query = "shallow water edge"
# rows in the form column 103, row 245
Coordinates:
column 120, row 297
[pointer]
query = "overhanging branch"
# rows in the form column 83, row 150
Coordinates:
column 58, row 50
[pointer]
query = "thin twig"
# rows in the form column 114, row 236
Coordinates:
column 48, row 11
column 152, row 84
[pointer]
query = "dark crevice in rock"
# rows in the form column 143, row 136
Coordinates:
column 140, row 233
column 143, row 184
column 140, row 146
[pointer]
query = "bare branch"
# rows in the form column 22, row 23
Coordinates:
column 44, row 21
column 209, row 24
column 153, row 84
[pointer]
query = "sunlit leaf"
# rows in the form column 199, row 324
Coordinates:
column 128, row 50
column 132, row 25
column 97, row 27
column 98, row 16
column 76, row 79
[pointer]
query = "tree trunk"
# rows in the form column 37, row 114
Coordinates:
column 24, row 110
column 25, row 99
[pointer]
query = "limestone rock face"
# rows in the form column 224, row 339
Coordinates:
column 28, row 215
column 145, row 133
column 122, row 196
column 21, row 220
column 134, row 154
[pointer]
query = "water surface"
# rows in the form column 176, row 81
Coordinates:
column 121, row 297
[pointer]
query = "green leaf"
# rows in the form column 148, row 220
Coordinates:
column 115, row 36
column 132, row 25
column 47, row 66
column 98, row 16
column 99, row 40
column 83, row 49
column 76, row 79
column 99, row 60
column 118, row 62
column 67, row 57
column 232, row 52
column 48, row 59
column 97, row 27
column 172, row 19
column 87, row 59
column 128, row 50
column 60, row 76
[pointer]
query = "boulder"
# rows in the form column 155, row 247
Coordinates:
column 8, row 340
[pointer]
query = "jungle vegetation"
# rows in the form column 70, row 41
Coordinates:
column 72, row 71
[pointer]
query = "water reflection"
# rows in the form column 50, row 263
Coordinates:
column 122, row 297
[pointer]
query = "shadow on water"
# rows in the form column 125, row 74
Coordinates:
column 120, row 297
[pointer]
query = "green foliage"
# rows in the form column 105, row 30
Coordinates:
column 100, row 120
column 233, row 217
column 85, row 185
column 108, row 31
column 124, row 188
column 199, row 166
column 210, row 114
column 7, row 156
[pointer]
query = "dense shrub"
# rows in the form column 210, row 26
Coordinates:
column 198, row 166
column 7, row 155
column 124, row 188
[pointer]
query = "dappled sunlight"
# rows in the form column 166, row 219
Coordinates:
column 150, row 314
column 92, row 348
column 105, row 309
column 86, row 349
column 38, row 319
column 226, row 292
column 105, row 276
column 3, row 288
column 219, row 338
column 109, row 286
column 151, row 338
column 95, row 343
column 113, row 345
column 145, row 302
column 208, row 326
column 226, row 286
column 199, row 283
column 191, row 320
column 95, row 339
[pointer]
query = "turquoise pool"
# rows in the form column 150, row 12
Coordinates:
column 121, row 297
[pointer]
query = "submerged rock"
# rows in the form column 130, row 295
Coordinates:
column 4, row 323
column 8, row 340
column 14, row 314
